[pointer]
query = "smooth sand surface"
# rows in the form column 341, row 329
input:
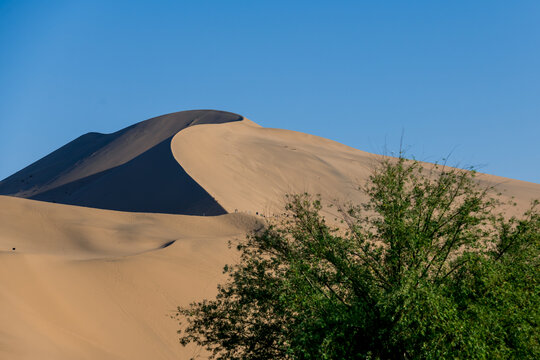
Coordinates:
column 257, row 166
column 87, row 283
column 248, row 168
column 95, row 284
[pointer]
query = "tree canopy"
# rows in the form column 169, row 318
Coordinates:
column 425, row 269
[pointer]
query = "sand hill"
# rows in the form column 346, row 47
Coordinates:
column 98, row 280
column 130, row 170
column 87, row 283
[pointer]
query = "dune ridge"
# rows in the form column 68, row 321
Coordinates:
column 257, row 166
column 129, row 170
column 205, row 162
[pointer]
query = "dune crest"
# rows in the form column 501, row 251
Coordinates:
column 257, row 166
column 129, row 170
column 205, row 162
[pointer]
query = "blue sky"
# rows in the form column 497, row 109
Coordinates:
column 460, row 77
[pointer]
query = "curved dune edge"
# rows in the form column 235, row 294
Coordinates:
column 248, row 168
column 152, row 182
column 129, row 170
column 80, row 233
column 95, row 284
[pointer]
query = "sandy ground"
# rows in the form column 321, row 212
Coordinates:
column 256, row 166
column 87, row 283
column 95, row 284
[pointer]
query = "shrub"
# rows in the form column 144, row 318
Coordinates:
column 425, row 269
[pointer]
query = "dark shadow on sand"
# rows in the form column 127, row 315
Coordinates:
column 152, row 182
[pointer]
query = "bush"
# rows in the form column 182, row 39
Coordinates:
column 425, row 269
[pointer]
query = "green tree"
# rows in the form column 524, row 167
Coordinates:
column 425, row 269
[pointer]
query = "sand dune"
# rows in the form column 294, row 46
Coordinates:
column 95, row 284
column 257, row 166
column 130, row 170
column 224, row 164
column 88, row 283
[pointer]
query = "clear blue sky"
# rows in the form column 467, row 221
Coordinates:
column 455, row 76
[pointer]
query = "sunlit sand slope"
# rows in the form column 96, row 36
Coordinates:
column 96, row 284
column 248, row 168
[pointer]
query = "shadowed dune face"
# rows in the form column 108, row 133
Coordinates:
column 151, row 182
column 130, row 170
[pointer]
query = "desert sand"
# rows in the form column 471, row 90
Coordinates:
column 83, row 280
column 88, row 283
column 256, row 166
column 130, row 170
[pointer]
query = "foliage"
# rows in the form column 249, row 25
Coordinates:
column 425, row 269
